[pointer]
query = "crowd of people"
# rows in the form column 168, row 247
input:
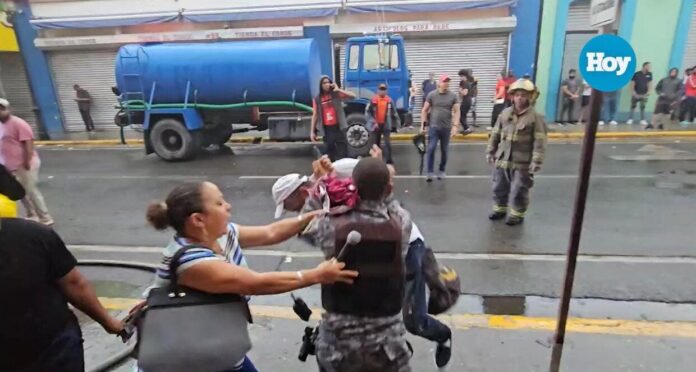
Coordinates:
column 676, row 99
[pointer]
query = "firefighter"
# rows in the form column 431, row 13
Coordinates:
column 516, row 148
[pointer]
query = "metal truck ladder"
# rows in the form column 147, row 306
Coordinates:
column 133, row 83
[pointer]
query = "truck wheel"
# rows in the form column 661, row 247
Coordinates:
column 173, row 142
column 357, row 135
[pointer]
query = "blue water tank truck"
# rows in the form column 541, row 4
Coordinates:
column 188, row 96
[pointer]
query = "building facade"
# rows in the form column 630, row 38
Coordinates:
column 75, row 42
column 661, row 32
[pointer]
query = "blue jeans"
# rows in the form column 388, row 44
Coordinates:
column 416, row 318
column 64, row 353
column 435, row 135
column 247, row 366
column 609, row 107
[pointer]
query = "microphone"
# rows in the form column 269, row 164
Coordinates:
column 352, row 239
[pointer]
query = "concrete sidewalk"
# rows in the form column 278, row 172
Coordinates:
column 556, row 132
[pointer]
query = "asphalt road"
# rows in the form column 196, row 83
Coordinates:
column 639, row 221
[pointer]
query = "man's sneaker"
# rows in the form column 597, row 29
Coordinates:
column 443, row 353
column 630, row 122
column 513, row 220
column 560, row 124
column 684, row 123
column 644, row 122
column 467, row 131
column 613, row 122
column 48, row 221
column 601, row 123
column 429, row 177
column 33, row 218
column 649, row 127
column 441, row 175
column 496, row 216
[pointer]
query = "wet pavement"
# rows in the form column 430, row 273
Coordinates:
column 637, row 261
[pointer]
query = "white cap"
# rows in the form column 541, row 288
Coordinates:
column 283, row 188
column 4, row 103
column 344, row 168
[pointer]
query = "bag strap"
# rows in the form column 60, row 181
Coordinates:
column 174, row 266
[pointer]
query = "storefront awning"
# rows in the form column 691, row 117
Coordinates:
column 403, row 6
column 104, row 21
column 243, row 13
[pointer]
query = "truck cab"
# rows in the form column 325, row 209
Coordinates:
column 370, row 61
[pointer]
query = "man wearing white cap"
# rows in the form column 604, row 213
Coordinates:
column 22, row 160
column 290, row 193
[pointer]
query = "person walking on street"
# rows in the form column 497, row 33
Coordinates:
column 465, row 92
column 585, row 103
column 328, row 113
column 442, row 112
column 516, row 148
column 428, row 86
column 570, row 88
column 668, row 90
column 39, row 280
column 499, row 98
column 640, row 90
column 382, row 117
column 411, row 103
column 22, row 160
column 689, row 106
column 84, row 104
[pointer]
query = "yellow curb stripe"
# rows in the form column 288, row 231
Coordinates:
column 500, row 322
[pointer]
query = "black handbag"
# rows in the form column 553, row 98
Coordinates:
column 186, row 330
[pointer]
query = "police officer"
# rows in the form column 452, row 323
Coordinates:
column 362, row 328
column 516, row 147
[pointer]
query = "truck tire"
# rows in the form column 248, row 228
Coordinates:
column 358, row 136
column 173, row 142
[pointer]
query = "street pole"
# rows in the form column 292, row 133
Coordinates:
column 577, row 222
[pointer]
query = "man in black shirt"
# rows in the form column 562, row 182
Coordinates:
column 640, row 88
column 465, row 93
column 38, row 278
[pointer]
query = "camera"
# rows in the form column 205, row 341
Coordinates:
column 308, row 343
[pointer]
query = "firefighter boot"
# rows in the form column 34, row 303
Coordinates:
column 496, row 216
column 514, row 220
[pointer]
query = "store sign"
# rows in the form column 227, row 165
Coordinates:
column 603, row 12
column 224, row 34
column 501, row 24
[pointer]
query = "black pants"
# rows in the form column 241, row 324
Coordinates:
column 87, row 118
column 567, row 105
column 464, row 108
column 497, row 109
column 378, row 134
column 335, row 143
column 65, row 353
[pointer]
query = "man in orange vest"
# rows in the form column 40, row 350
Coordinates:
column 382, row 117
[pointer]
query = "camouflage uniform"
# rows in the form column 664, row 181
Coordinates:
column 349, row 343
column 517, row 142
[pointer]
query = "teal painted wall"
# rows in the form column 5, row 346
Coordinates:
column 546, row 42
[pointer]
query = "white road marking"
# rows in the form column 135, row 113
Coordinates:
column 444, row 256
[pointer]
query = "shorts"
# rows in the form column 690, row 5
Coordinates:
column 635, row 100
column 585, row 100
column 664, row 106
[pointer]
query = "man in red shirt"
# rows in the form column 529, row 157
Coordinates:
column 689, row 106
column 328, row 112
column 22, row 160
column 382, row 117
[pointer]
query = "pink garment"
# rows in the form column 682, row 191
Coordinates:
column 16, row 131
column 340, row 192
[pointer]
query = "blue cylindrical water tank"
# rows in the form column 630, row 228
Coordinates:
column 221, row 72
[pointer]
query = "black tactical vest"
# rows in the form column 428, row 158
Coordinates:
column 378, row 291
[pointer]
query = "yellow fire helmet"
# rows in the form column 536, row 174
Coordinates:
column 523, row 84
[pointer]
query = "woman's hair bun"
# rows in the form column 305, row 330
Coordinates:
column 157, row 215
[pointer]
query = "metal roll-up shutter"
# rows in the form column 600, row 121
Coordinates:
column 579, row 16
column 574, row 42
column 690, row 50
column 92, row 70
column 17, row 91
column 486, row 55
